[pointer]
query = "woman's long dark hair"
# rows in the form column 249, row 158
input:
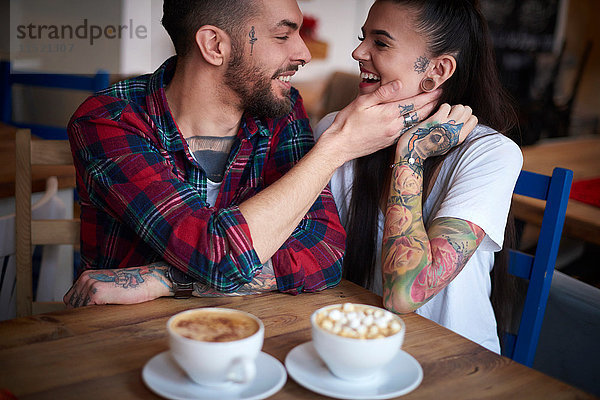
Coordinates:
column 454, row 27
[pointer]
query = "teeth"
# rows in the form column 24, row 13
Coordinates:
column 285, row 78
column 371, row 77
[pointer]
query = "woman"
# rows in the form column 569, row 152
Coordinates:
column 435, row 204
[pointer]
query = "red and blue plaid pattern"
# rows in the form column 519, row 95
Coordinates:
column 143, row 196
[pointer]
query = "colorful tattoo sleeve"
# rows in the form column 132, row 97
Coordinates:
column 418, row 263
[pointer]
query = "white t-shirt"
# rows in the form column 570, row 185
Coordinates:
column 475, row 184
column 212, row 191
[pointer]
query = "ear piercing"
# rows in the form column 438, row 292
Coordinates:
column 427, row 84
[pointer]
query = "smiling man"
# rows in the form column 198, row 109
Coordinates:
column 204, row 176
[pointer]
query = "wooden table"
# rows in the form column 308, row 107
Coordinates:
column 582, row 156
column 98, row 352
column 65, row 175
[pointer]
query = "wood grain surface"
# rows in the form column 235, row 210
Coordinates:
column 98, row 352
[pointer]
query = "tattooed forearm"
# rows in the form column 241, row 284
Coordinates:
column 261, row 283
column 454, row 242
column 418, row 263
column 265, row 281
column 130, row 278
column 253, row 39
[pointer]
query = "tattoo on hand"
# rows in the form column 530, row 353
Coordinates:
column 434, row 140
column 421, row 64
column 406, row 108
column 253, row 39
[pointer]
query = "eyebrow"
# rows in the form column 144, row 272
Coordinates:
column 287, row 23
column 383, row 33
column 378, row 32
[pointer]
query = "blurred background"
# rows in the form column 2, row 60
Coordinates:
column 545, row 49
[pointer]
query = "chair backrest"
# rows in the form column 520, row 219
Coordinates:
column 38, row 153
column 538, row 269
column 48, row 204
column 7, row 267
column 90, row 84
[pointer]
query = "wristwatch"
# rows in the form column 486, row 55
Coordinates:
column 183, row 285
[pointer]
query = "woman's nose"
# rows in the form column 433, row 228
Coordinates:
column 359, row 53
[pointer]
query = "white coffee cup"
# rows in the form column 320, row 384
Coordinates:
column 353, row 358
column 216, row 346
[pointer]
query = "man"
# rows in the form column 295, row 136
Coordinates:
column 205, row 171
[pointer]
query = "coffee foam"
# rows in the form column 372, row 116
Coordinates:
column 214, row 326
column 358, row 321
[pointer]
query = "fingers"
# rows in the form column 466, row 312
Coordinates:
column 82, row 293
column 463, row 115
column 384, row 94
column 417, row 108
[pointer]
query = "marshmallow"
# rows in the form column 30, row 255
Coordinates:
column 356, row 321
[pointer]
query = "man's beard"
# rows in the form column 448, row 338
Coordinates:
column 253, row 87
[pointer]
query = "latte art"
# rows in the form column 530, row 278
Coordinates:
column 214, row 326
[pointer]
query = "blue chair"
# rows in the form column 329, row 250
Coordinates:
column 85, row 83
column 538, row 269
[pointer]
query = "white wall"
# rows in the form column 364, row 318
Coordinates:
column 339, row 23
column 140, row 57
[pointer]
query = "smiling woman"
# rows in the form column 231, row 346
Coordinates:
column 425, row 216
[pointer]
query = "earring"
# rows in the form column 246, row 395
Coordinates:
column 427, row 84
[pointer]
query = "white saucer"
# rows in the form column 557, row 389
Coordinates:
column 401, row 376
column 164, row 377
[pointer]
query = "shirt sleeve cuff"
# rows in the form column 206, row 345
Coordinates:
column 240, row 263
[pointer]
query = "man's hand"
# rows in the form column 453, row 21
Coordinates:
column 374, row 121
column 120, row 286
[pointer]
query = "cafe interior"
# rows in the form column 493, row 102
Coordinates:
column 548, row 57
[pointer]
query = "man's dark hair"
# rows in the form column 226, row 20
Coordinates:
column 183, row 18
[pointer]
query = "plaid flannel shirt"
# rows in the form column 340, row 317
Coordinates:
column 143, row 196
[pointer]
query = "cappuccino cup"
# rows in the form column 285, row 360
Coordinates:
column 356, row 341
column 216, row 346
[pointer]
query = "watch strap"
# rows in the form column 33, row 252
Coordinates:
column 182, row 284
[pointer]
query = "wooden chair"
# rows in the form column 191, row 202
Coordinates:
column 90, row 84
column 48, row 204
column 37, row 153
column 538, row 268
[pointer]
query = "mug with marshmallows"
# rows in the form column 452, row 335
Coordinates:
column 216, row 346
column 356, row 340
